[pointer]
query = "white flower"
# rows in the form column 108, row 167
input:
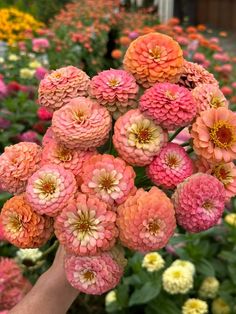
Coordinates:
column 110, row 297
column 177, row 279
column 13, row 57
column 28, row 254
column 186, row 264
column 153, row 261
column 26, row 73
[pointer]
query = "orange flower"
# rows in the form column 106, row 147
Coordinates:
column 124, row 40
column 116, row 54
column 191, row 29
column 201, row 27
column 22, row 226
column 154, row 58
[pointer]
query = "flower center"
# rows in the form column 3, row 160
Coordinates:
column 113, row 82
column 15, row 224
column 208, row 205
column 56, row 75
column 154, row 227
column 64, row 154
column 223, row 134
column 216, row 102
column 80, row 115
column 155, row 53
column 88, row 275
column 177, row 274
column 171, row 95
column 223, row 174
column 172, row 161
column 46, row 186
column 194, row 305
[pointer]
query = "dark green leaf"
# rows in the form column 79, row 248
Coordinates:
column 148, row 292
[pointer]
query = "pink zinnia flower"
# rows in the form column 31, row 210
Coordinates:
column 17, row 164
column 3, row 89
column 226, row 90
column 50, row 189
column 86, row 226
column 194, row 74
column 82, row 124
column 223, row 57
column 29, row 136
column 146, row 221
column 182, row 137
column 199, row 57
column 48, row 137
column 170, row 167
column 60, row 86
column 116, row 90
column 55, row 153
column 214, row 135
column 208, row 96
column 40, row 73
column 169, row 105
column 2, row 237
column 107, row 177
column 137, row 138
column 44, row 114
column 94, row 274
column 40, row 44
column 199, row 202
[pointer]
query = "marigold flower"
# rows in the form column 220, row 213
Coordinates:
column 116, row 90
column 137, row 138
column 86, row 226
column 177, row 279
column 17, row 164
column 171, row 166
column 146, row 221
column 57, row 88
column 209, row 288
column 214, row 135
column 22, row 226
column 153, row 58
column 50, row 189
column 199, row 202
column 169, row 105
column 108, row 178
column 82, row 124
column 195, row 306
column 153, row 262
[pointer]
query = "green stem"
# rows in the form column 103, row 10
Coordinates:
column 185, row 144
column 175, row 134
column 189, row 151
column 50, row 249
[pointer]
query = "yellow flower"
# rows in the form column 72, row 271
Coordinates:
column 28, row 254
column 26, row 73
column 35, row 64
column 1, row 60
column 195, row 306
column 231, row 219
column 219, row 306
column 209, row 288
column 186, row 264
column 153, row 262
column 110, row 297
column 13, row 57
column 177, row 279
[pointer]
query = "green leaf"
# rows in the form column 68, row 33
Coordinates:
column 162, row 305
column 205, row 268
column 148, row 292
column 122, row 294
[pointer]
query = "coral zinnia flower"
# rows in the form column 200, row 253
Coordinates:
column 86, row 226
column 82, row 124
column 22, row 226
column 107, row 177
column 146, row 221
column 116, row 90
column 17, row 164
column 137, row 138
column 171, row 166
column 194, row 74
column 208, row 96
column 214, row 135
column 199, row 202
column 154, row 58
column 50, row 189
column 93, row 274
column 169, row 105
column 60, row 86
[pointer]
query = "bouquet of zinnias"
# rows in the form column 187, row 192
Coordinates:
column 81, row 184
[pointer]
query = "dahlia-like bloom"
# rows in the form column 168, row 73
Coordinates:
column 171, row 166
column 22, row 226
column 209, row 288
column 116, row 90
column 195, row 306
column 2, row 237
column 208, row 96
column 153, row 58
column 169, row 105
column 153, row 262
column 199, row 202
column 82, row 124
column 110, row 297
column 186, row 264
column 214, row 135
column 48, row 137
column 17, row 164
column 177, row 279
column 93, row 274
column 146, row 221
column 60, row 86
column 138, row 139
column 9, row 272
column 231, row 219
column 50, row 189
column 219, row 306
column 28, row 255
column 108, row 178
column 86, row 226
column 55, row 153
column 194, row 75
